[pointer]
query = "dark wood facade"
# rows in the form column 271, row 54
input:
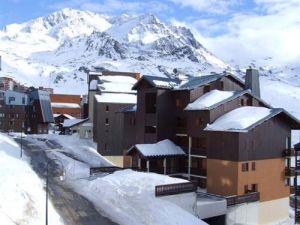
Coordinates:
column 214, row 158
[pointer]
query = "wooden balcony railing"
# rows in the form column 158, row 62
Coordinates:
column 295, row 190
column 172, row 189
column 289, row 172
column 239, row 199
column 288, row 153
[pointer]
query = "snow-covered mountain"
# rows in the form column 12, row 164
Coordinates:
column 57, row 50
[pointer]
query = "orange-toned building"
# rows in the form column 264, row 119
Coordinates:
column 66, row 104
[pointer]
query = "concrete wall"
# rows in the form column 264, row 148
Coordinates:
column 247, row 213
column 116, row 160
column 272, row 211
column 186, row 201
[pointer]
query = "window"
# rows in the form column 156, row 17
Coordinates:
column 245, row 167
column 221, row 83
column 11, row 99
column 199, row 121
column 11, row 106
column 106, row 147
column 107, row 108
column 23, row 100
column 150, row 129
column 132, row 121
column 178, row 102
column 242, row 102
column 287, row 182
column 203, row 142
column 17, row 115
column 206, row 88
column 254, row 187
column 2, row 114
column 253, row 166
column 246, row 190
column 106, row 121
column 11, row 122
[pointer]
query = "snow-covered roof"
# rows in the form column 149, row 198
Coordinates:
column 121, row 84
column 209, row 99
column 73, row 122
column 127, row 109
column 65, row 115
column 159, row 82
column 116, row 98
column 64, row 105
column 162, row 148
column 242, row 119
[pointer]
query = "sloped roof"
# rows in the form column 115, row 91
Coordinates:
column 127, row 109
column 160, row 149
column 64, row 105
column 116, row 84
column 242, row 119
column 159, row 82
column 73, row 122
column 55, row 115
column 116, row 98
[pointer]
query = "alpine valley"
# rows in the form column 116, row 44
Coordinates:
column 57, row 50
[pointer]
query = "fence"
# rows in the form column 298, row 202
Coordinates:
column 239, row 199
column 178, row 188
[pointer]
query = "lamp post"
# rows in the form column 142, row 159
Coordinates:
column 62, row 175
column 21, row 143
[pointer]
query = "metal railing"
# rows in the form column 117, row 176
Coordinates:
column 173, row 189
column 239, row 199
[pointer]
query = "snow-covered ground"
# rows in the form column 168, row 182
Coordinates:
column 127, row 197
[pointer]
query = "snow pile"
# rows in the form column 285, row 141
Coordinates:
column 129, row 198
column 21, row 191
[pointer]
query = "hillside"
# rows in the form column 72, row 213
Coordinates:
column 57, row 50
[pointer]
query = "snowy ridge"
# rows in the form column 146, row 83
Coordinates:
column 56, row 51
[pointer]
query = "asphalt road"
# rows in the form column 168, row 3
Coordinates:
column 73, row 208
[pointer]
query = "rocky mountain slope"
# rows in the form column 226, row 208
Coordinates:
column 57, row 50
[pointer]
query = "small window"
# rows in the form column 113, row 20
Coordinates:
column 221, row 85
column 107, row 108
column 199, row 121
column 254, row 187
column 106, row 147
column 287, row 182
column 253, row 166
column 246, row 189
column 178, row 102
column 242, row 102
column 245, row 167
column 106, row 121
column 206, row 88
column 150, row 129
column 132, row 121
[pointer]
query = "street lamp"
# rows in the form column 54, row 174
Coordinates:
column 21, row 143
column 62, row 176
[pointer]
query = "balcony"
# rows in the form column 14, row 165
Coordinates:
column 295, row 190
column 289, row 172
column 239, row 199
column 288, row 153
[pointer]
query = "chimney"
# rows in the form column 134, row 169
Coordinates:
column 252, row 81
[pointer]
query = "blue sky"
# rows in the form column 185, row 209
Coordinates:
column 231, row 29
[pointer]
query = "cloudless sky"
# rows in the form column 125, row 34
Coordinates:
column 231, row 29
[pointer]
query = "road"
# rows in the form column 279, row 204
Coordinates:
column 72, row 207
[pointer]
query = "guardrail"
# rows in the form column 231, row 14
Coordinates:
column 239, row 199
column 173, row 189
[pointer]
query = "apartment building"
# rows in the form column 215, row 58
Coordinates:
column 233, row 141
